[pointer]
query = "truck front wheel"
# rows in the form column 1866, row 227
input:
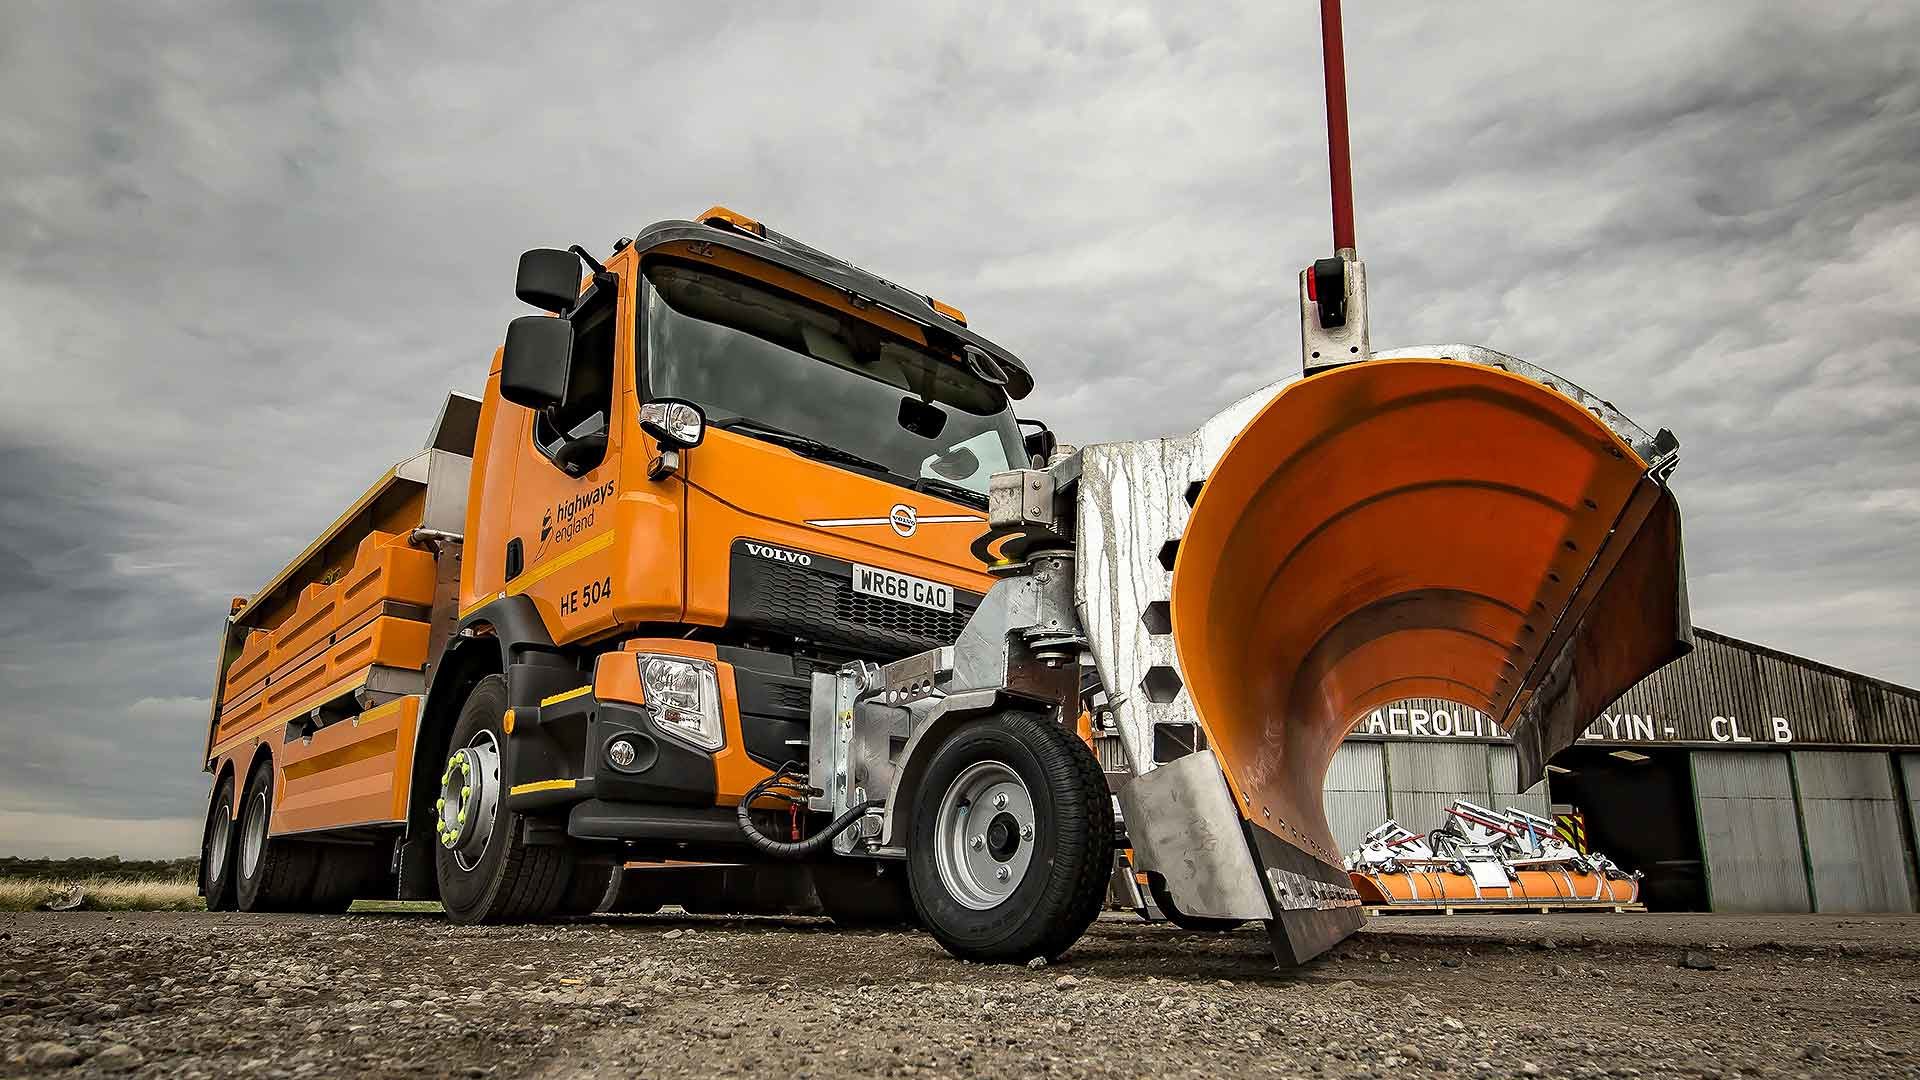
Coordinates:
column 1011, row 839
column 487, row 871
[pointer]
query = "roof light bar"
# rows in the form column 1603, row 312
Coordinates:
column 948, row 310
column 721, row 217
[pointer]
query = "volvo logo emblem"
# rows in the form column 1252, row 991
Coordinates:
column 904, row 519
column 797, row 558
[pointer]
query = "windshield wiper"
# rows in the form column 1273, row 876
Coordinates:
column 801, row 444
column 933, row 485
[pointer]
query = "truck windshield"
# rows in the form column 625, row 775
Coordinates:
column 773, row 366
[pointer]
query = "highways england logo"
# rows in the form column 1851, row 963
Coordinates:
column 572, row 516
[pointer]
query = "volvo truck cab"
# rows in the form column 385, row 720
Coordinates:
column 721, row 462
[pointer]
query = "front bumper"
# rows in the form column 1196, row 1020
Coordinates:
column 558, row 746
column 575, row 735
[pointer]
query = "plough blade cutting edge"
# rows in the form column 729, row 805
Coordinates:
column 1435, row 522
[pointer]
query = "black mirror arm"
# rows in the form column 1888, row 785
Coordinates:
column 587, row 257
column 1039, row 443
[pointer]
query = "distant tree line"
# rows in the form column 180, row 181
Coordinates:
column 111, row 866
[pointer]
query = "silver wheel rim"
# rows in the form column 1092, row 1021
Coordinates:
column 469, row 797
column 984, row 832
column 253, row 832
column 220, row 841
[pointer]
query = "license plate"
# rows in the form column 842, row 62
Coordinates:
column 905, row 588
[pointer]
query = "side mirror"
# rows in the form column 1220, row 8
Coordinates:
column 1040, row 443
column 674, row 424
column 533, row 369
column 549, row 279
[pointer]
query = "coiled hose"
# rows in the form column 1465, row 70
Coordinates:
column 786, row 784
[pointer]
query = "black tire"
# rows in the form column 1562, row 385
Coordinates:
column 511, row 880
column 345, row 873
column 633, row 893
column 864, row 895
column 217, row 848
column 1157, row 886
column 271, row 873
column 1064, row 882
column 587, row 892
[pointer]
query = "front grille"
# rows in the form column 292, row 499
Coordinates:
column 816, row 602
column 794, row 695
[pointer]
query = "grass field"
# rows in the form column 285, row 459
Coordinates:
column 103, row 894
column 168, row 894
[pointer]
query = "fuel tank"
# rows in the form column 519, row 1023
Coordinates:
column 1435, row 522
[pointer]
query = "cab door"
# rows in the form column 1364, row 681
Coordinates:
column 560, row 545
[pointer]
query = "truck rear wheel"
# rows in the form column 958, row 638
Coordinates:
column 343, row 874
column 487, row 871
column 1011, row 841
column 271, row 873
column 216, row 849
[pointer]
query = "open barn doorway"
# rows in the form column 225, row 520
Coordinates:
column 1638, row 808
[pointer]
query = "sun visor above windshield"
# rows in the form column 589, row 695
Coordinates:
column 691, row 239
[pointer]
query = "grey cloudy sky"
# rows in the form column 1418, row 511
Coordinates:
column 245, row 250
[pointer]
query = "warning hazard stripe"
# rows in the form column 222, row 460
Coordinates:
column 1572, row 829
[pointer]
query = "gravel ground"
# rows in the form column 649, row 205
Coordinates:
column 197, row 995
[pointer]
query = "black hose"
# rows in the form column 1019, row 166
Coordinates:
column 794, row 787
column 798, row 849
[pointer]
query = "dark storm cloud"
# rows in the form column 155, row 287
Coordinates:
column 244, row 251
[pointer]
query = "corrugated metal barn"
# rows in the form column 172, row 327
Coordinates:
column 1739, row 778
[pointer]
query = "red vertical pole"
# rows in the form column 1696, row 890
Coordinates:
column 1339, row 160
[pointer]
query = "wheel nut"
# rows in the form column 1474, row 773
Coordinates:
column 465, row 792
column 439, row 804
column 1002, row 873
column 977, row 843
column 1000, row 801
column 1026, row 831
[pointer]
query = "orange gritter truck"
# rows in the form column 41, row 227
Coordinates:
column 744, row 575
column 744, row 561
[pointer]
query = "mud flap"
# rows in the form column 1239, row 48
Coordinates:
column 1413, row 527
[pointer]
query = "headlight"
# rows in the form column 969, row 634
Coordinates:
column 678, row 425
column 684, row 698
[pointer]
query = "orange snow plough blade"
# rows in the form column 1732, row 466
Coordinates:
column 1417, row 527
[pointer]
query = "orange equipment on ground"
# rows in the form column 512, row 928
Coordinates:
column 1482, row 859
